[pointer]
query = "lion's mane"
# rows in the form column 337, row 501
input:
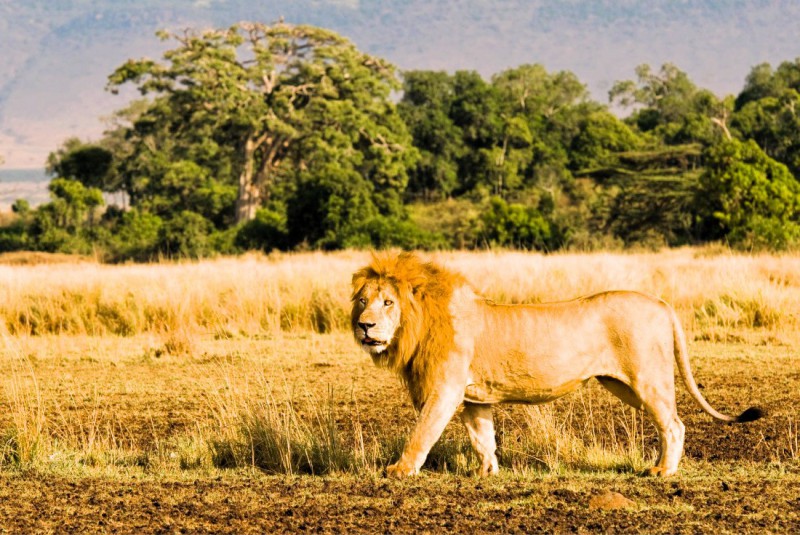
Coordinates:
column 425, row 335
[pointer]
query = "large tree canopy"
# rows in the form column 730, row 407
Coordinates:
column 768, row 111
column 273, row 101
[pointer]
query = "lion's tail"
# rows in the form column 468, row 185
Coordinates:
column 682, row 359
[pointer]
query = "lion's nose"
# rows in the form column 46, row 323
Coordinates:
column 365, row 326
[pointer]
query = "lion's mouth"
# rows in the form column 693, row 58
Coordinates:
column 367, row 341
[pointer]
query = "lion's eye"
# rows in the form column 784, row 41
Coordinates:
column 388, row 303
column 363, row 301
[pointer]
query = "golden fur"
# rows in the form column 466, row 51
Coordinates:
column 423, row 292
column 452, row 347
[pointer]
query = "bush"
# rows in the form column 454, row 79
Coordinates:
column 14, row 237
column 266, row 232
column 384, row 232
column 748, row 198
column 765, row 233
column 136, row 236
column 185, row 236
column 451, row 220
column 515, row 225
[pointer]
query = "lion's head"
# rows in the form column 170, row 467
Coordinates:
column 377, row 312
column 400, row 311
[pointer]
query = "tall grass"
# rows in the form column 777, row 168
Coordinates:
column 579, row 432
column 24, row 440
column 224, row 297
column 714, row 294
column 278, row 430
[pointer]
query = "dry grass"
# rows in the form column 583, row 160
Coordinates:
column 578, row 433
column 226, row 297
column 236, row 337
column 718, row 296
column 35, row 258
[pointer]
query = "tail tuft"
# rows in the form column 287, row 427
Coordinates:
column 753, row 413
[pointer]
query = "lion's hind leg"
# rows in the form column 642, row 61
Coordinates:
column 480, row 427
column 671, row 432
column 661, row 407
column 659, row 403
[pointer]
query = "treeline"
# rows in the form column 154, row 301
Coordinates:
column 288, row 137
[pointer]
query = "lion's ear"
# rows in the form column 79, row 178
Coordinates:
column 360, row 278
column 416, row 287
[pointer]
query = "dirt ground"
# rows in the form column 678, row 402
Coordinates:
column 734, row 478
column 440, row 503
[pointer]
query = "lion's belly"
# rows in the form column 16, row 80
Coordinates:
column 521, row 391
column 528, row 376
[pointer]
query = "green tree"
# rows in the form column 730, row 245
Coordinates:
column 646, row 195
column 654, row 210
column 768, row 111
column 74, row 203
column 748, row 198
column 136, row 235
column 69, row 222
column 88, row 163
column 266, row 232
column 600, row 140
column 264, row 90
column 185, row 235
column 764, row 82
column 476, row 112
column 670, row 106
column 329, row 207
column 166, row 163
column 516, row 128
column 426, row 107
column 14, row 236
column 515, row 225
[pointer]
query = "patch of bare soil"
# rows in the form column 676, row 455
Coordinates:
column 260, row 504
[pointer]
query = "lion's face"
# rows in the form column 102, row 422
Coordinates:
column 376, row 316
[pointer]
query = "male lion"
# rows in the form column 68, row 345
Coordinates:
column 450, row 346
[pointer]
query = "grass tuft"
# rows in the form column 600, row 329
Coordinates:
column 575, row 434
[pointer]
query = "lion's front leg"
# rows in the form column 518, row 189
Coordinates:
column 432, row 419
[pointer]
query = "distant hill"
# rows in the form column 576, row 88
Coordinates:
column 55, row 54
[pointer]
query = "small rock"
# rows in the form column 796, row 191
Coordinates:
column 610, row 500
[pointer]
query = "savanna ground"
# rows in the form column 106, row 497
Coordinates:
column 228, row 396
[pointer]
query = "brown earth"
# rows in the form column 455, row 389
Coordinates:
column 432, row 503
column 735, row 478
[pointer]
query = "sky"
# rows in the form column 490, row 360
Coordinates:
column 55, row 55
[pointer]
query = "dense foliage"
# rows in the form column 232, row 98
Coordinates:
column 283, row 136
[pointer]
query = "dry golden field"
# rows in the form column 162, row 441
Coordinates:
column 228, row 396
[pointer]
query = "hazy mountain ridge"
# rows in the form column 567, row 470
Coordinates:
column 55, row 55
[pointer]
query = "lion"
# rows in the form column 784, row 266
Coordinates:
column 451, row 347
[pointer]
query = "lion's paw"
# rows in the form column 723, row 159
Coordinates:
column 658, row 471
column 400, row 470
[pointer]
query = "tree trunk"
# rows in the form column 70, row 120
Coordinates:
column 721, row 122
column 249, row 197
